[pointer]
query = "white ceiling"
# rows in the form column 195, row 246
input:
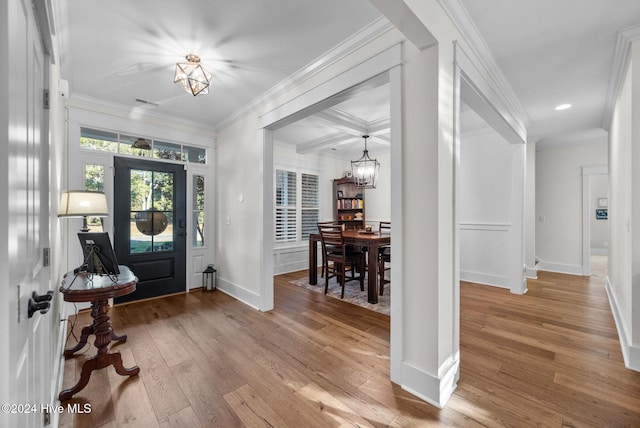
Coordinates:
column 120, row 50
column 117, row 51
column 553, row 52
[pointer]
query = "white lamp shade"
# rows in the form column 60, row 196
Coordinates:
column 80, row 203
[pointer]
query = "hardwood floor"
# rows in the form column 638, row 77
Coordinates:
column 549, row 358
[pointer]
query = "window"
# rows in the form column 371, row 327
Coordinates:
column 285, row 206
column 94, row 181
column 297, row 205
column 198, row 211
column 105, row 141
column 310, row 205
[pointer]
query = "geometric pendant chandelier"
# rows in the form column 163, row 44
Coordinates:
column 191, row 76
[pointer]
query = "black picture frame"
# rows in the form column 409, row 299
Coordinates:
column 99, row 257
column 602, row 214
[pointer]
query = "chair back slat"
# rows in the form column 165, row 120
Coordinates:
column 385, row 227
column 331, row 238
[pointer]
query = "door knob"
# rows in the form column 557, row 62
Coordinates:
column 39, row 302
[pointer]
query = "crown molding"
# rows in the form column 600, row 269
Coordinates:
column 139, row 113
column 570, row 139
column 375, row 29
column 479, row 48
column 620, row 60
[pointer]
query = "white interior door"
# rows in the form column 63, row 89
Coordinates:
column 27, row 225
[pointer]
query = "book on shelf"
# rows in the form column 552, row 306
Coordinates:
column 350, row 204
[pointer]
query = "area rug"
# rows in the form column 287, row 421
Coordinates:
column 352, row 293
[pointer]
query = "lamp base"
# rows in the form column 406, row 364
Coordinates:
column 85, row 225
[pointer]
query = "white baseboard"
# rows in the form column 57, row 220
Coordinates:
column 290, row 267
column 484, row 278
column 560, row 268
column 433, row 390
column 250, row 298
column 600, row 251
column 630, row 352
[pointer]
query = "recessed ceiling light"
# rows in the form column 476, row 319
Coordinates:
column 563, row 107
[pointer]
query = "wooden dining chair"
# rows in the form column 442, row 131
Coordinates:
column 384, row 255
column 325, row 223
column 343, row 258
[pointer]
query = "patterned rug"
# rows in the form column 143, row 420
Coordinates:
column 352, row 293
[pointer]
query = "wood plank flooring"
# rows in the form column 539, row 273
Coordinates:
column 549, row 358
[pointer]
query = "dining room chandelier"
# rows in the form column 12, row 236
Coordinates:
column 365, row 170
column 192, row 76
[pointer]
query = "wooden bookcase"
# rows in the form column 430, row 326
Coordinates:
column 349, row 203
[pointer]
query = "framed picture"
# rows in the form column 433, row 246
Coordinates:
column 602, row 214
column 340, row 194
column 99, row 257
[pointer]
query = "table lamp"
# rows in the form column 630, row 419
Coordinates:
column 83, row 203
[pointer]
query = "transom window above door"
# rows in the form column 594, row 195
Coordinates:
column 113, row 142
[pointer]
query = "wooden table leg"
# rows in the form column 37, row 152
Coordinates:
column 313, row 261
column 89, row 330
column 104, row 334
column 86, row 332
column 372, row 280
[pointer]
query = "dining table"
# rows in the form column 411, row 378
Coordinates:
column 369, row 241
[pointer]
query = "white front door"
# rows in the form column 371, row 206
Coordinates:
column 26, row 223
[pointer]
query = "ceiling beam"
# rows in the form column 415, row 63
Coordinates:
column 326, row 142
column 349, row 130
column 353, row 125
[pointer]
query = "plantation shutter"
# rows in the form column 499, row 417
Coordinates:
column 285, row 205
column 310, row 205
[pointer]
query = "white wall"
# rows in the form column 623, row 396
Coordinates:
column 485, row 207
column 623, row 280
column 559, row 204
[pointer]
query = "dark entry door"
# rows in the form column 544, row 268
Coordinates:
column 150, row 225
